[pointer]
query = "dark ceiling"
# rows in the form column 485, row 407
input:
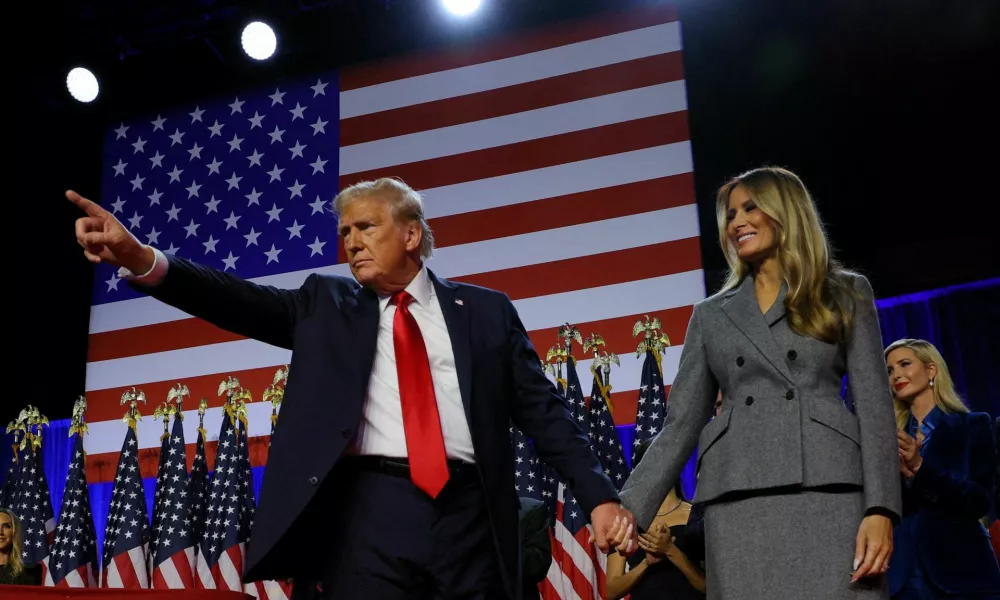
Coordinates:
column 886, row 109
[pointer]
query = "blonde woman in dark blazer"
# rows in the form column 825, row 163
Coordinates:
column 800, row 494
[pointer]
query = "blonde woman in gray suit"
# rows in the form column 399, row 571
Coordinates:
column 801, row 495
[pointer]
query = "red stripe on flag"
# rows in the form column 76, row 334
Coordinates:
column 601, row 25
column 594, row 142
column 551, row 91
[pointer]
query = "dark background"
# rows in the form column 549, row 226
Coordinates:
column 887, row 110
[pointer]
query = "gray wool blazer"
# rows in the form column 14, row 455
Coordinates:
column 783, row 422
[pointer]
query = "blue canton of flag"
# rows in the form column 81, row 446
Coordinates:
column 574, row 396
column 528, row 469
column 216, row 567
column 243, row 185
column 173, row 546
column 35, row 508
column 197, row 490
column 652, row 402
column 604, row 437
column 74, row 550
column 126, row 535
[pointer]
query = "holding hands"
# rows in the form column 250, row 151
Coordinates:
column 614, row 528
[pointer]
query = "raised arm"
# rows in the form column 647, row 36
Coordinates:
column 259, row 312
column 692, row 396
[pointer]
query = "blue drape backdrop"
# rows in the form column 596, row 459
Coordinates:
column 962, row 321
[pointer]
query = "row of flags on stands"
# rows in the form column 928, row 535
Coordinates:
column 201, row 520
column 578, row 568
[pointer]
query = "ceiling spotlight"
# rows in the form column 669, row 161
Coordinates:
column 82, row 84
column 259, row 41
column 461, row 8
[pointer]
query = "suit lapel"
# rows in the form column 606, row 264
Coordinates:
column 456, row 317
column 742, row 309
column 364, row 323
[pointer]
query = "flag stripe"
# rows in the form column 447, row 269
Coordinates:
column 549, row 122
column 535, row 154
column 609, row 79
column 551, row 37
column 553, row 62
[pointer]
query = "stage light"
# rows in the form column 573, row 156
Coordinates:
column 82, row 84
column 259, row 41
column 461, row 7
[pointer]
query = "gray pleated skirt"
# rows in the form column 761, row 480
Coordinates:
column 794, row 546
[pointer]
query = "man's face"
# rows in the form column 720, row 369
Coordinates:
column 376, row 244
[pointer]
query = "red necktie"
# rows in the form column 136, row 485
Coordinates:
column 424, row 440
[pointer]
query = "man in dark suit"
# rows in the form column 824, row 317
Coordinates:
column 536, row 547
column 391, row 472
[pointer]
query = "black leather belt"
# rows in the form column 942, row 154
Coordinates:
column 400, row 467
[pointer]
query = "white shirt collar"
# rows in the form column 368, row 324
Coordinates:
column 420, row 288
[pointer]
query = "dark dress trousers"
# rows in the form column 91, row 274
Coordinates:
column 330, row 323
column 940, row 537
column 536, row 547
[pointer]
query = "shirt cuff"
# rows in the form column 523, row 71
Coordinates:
column 153, row 276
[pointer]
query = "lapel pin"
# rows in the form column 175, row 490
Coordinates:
column 459, row 302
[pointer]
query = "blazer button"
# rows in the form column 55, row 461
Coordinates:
column 749, row 400
column 739, row 361
column 313, row 481
column 345, row 433
column 792, row 355
column 789, row 395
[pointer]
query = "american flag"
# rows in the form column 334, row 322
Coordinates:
column 529, row 480
column 578, row 567
column 9, row 491
column 604, row 437
column 73, row 562
column 553, row 164
column 173, row 555
column 220, row 557
column 160, row 485
column 652, row 401
column 126, row 536
column 34, row 508
column 198, row 490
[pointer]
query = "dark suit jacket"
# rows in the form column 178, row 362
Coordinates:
column 330, row 323
column 942, row 506
column 536, row 547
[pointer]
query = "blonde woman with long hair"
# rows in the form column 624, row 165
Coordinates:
column 11, row 540
column 800, row 494
column 946, row 462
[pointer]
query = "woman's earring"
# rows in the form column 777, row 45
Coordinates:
column 932, row 383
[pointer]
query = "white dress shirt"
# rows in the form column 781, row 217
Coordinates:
column 381, row 430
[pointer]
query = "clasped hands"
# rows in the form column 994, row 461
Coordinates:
column 613, row 528
column 910, row 459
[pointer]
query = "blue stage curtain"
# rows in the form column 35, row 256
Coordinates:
column 963, row 322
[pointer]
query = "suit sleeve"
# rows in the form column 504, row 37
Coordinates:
column 537, row 546
column 962, row 489
column 869, row 386
column 541, row 414
column 255, row 311
column 692, row 396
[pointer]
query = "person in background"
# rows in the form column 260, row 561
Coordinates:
column 800, row 494
column 946, row 458
column 536, row 547
column 12, row 570
column 669, row 564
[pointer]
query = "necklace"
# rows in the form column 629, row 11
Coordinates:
column 663, row 514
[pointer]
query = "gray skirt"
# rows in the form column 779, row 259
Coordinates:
column 792, row 546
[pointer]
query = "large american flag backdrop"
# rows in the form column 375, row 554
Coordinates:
column 556, row 166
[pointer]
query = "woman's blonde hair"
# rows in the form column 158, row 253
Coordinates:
column 15, row 560
column 818, row 293
column 945, row 396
